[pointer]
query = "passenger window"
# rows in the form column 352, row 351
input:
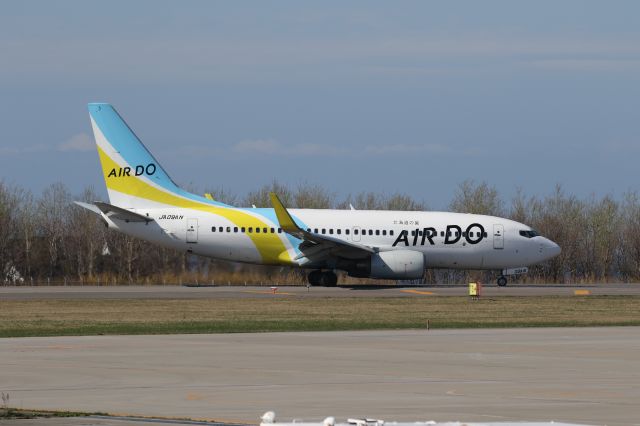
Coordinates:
column 243, row 229
column 384, row 232
column 346, row 231
column 213, row 229
column 370, row 231
column 308, row 229
column 355, row 231
column 235, row 229
column 228, row 229
column 265, row 230
column 391, row 232
column 442, row 233
column 377, row 232
column 338, row 231
column 257, row 230
column 250, row 229
column 273, row 230
column 331, row 231
column 315, row 231
column 279, row 230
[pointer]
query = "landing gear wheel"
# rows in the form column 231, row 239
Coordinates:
column 502, row 281
column 329, row 278
column 315, row 277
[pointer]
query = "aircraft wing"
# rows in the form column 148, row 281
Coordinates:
column 315, row 246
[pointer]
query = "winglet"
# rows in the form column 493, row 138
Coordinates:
column 287, row 223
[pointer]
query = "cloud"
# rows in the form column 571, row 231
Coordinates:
column 79, row 142
column 286, row 59
column 588, row 64
column 402, row 148
column 272, row 147
column 316, row 149
column 258, row 146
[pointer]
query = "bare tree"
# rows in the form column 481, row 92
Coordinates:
column 47, row 236
column 477, row 198
column 309, row 196
column 53, row 226
column 260, row 198
column 10, row 209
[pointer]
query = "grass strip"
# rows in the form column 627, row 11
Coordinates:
column 153, row 316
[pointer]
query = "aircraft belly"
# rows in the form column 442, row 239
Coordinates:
column 454, row 257
column 236, row 249
column 151, row 232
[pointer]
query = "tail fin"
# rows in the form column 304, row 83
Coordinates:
column 134, row 178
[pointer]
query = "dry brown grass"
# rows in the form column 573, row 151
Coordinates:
column 77, row 317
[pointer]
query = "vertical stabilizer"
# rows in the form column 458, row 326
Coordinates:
column 133, row 177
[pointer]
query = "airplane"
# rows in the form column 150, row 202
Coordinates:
column 145, row 202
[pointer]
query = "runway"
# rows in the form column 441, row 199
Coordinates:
column 585, row 375
column 222, row 292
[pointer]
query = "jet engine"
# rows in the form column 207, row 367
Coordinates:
column 394, row 265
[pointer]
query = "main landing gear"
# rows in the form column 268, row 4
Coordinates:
column 326, row 278
column 502, row 281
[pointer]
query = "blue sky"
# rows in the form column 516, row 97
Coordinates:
column 354, row 96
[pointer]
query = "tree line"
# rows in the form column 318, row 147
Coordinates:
column 46, row 239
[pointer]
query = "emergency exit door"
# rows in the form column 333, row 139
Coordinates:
column 355, row 233
column 192, row 230
column 498, row 236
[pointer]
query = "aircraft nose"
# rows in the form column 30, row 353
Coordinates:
column 551, row 249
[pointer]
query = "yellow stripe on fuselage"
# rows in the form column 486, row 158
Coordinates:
column 270, row 246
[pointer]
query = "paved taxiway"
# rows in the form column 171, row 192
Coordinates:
column 589, row 375
column 222, row 292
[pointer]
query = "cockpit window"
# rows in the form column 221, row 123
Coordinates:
column 530, row 233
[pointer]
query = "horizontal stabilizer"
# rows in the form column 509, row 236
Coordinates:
column 90, row 207
column 113, row 212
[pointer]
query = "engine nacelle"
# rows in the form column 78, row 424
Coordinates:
column 397, row 264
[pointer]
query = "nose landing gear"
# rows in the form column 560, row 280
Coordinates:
column 502, row 278
column 326, row 278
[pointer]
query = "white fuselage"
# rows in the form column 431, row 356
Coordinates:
column 447, row 240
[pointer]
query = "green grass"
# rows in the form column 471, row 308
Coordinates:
column 17, row 413
column 95, row 317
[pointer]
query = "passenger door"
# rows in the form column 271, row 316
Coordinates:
column 192, row 230
column 498, row 237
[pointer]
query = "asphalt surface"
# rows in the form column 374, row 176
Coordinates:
column 581, row 375
column 222, row 292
